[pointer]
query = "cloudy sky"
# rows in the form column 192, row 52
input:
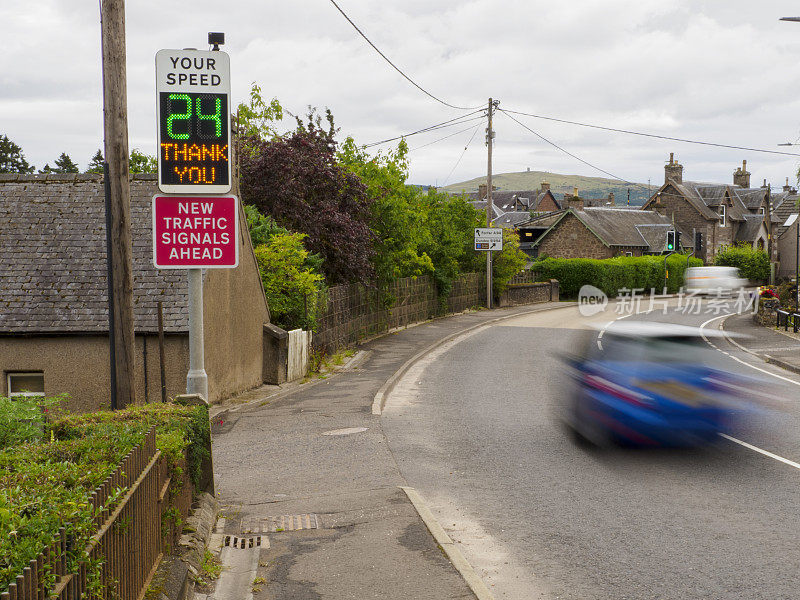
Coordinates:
column 725, row 71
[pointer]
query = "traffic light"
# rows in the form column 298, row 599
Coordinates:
column 677, row 240
column 671, row 241
column 698, row 242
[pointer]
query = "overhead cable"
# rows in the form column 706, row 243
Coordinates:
column 395, row 67
column 462, row 156
column 443, row 125
column 650, row 135
column 567, row 152
column 440, row 139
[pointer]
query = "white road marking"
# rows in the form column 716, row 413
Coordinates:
column 728, row 354
column 786, row 461
column 727, row 437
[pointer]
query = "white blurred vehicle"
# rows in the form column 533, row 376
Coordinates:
column 713, row 280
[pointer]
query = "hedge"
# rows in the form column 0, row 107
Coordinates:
column 49, row 466
column 752, row 264
column 614, row 274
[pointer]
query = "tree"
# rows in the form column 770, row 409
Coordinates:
column 12, row 160
column 416, row 232
column 397, row 215
column 64, row 164
column 263, row 228
column 451, row 221
column 142, row 163
column 290, row 287
column 507, row 263
column 256, row 119
column 296, row 180
column 96, row 164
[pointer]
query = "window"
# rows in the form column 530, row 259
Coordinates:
column 722, row 219
column 629, row 254
column 761, row 210
column 25, row 384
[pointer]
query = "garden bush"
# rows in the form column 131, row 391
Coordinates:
column 614, row 274
column 752, row 264
column 47, row 475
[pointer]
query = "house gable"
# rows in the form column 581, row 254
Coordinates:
column 569, row 237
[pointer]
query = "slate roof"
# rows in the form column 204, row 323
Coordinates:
column 655, row 236
column 619, row 226
column 748, row 231
column 506, row 200
column 752, row 198
column 481, row 206
column 783, row 205
column 511, row 219
column 706, row 198
column 53, row 257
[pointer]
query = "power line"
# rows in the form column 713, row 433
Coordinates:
column 650, row 135
column 440, row 139
column 567, row 152
column 462, row 156
column 443, row 125
column 395, row 67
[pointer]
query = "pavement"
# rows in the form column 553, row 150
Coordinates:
column 314, row 504
column 776, row 346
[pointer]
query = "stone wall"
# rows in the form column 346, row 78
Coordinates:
column 571, row 239
column 530, row 293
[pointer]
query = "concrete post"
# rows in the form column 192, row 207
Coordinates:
column 196, row 379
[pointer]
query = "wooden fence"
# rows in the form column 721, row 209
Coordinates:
column 352, row 313
column 129, row 541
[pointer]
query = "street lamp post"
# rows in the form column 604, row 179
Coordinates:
column 797, row 225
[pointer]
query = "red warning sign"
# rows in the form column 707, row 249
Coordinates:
column 195, row 233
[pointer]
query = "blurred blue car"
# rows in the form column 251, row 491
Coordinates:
column 654, row 384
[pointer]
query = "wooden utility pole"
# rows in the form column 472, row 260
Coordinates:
column 118, row 202
column 489, row 208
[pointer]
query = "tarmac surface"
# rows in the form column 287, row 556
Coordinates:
column 306, row 471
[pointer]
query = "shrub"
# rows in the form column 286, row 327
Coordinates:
column 614, row 274
column 290, row 286
column 752, row 264
column 786, row 294
column 45, row 480
column 507, row 263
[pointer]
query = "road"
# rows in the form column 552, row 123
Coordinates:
column 473, row 427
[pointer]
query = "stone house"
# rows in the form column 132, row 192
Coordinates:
column 53, row 298
column 724, row 214
column 602, row 232
column 787, row 247
column 541, row 200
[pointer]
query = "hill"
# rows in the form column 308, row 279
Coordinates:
column 588, row 187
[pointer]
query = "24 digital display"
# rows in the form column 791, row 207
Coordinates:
column 193, row 121
column 194, row 139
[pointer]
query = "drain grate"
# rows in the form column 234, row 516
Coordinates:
column 235, row 541
column 291, row 523
column 282, row 523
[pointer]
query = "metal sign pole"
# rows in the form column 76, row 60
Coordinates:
column 196, row 379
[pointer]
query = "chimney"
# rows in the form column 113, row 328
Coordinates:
column 658, row 207
column 574, row 201
column 482, row 191
column 673, row 171
column 787, row 187
column 546, row 185
column 763, row 185
column 741, row 177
